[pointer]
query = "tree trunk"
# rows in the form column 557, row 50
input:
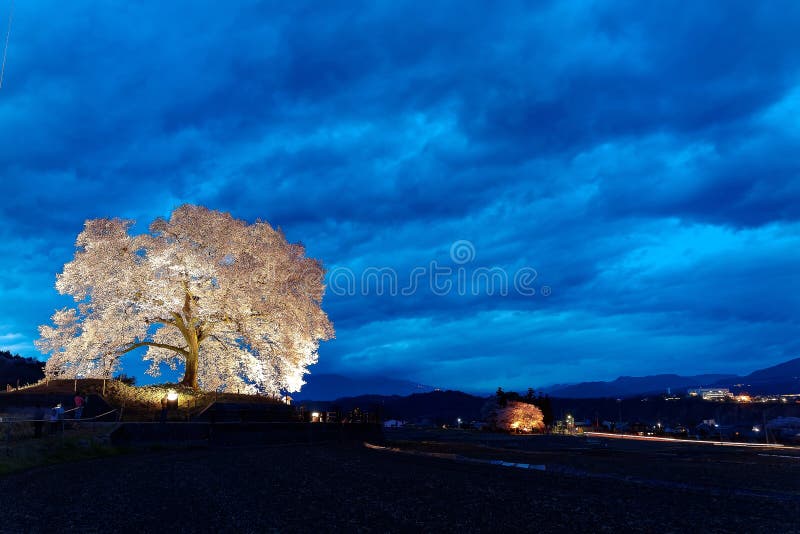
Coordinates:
column 190, row 376
column 192, row 337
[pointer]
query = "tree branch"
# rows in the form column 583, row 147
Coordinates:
column 153, row 344
column 162, row 321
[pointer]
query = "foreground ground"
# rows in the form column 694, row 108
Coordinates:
column 302, row 488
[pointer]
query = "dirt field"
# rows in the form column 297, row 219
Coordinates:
column 771, row 472
column 350, row 488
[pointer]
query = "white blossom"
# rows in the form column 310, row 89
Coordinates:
column 234, row 303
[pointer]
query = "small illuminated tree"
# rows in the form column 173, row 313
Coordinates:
column 519, row 417
column 233, row 302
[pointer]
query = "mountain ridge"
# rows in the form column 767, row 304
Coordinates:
column 328, row 386
column 780, row 378
column 634, row 385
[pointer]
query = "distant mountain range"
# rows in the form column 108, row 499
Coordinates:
column 333, row 386
column 589, row 399
column 781, row 378
column 633, row 385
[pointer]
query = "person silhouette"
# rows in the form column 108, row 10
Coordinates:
column 80, row 402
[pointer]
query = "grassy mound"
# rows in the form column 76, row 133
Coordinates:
column 142, row 403
column 22, row 451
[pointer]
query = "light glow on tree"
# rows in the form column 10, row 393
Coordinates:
column 520, row 417
column 234, row 303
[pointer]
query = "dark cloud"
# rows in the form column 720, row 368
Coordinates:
column 640, row 158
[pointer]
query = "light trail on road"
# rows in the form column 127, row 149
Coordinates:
column 692, row 442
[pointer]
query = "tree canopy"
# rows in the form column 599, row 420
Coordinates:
column 234, row 303
column 519, row 417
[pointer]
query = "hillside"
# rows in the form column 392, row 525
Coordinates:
column 783, row 371
column 781, row 378
column 634, row 385
column 15, row 368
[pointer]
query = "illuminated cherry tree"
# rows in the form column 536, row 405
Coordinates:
column 234, row 303
column 520, row 417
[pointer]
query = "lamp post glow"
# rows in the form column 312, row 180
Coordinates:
column 172, row 399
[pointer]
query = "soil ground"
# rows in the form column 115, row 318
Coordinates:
column 351, row 488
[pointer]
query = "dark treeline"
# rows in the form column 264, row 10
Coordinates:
column 435, row 407
column 444, row 407
column 16, row 369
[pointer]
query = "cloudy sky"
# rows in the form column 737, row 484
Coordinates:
column 636, row 166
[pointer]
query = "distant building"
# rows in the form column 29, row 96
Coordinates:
column 393, row 423
column 713, row 394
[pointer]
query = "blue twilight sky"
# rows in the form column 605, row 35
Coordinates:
column 641, row 157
